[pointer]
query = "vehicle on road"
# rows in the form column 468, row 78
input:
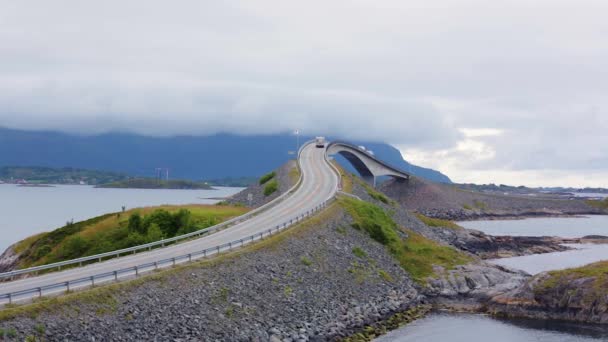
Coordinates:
column 320, row 142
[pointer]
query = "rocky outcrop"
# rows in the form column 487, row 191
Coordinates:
column 479, row 281
column 8, row 260
column 574, row 295
column 448, row 202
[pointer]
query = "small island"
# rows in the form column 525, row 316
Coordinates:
column 152, row 183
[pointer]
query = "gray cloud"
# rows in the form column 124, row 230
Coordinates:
column 413, row 73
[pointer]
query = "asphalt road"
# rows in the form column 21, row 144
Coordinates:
column 319, row 184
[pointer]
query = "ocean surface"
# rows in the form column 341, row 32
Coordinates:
column 440, row 327
column 453, row 327
column 25, row 211
column 564, row 227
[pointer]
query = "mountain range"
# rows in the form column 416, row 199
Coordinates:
column 186, row 157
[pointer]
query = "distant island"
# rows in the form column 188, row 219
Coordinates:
column 152, row 183
column 38, row 176
column 32, row 175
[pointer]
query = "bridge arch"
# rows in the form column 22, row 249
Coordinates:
column 368, row 166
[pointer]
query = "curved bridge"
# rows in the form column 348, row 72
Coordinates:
column 368, row 166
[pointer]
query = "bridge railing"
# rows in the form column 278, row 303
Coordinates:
column 135, row 271
column 148, row 246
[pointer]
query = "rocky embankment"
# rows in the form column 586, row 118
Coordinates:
column 286, row 175
column 448, row 202
column 577, row 294
column 306, row 284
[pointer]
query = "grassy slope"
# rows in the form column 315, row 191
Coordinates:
column 108, row 232
column 597, row 271
column 435, row 222
column 415, row 253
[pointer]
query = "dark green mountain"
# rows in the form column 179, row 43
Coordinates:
column 186, row 157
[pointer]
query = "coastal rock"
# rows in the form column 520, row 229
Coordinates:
column 8, row 259
column 575, row 295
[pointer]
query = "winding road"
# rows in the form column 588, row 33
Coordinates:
column 319, row 183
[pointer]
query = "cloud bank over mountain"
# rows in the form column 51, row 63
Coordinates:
column 510, row 92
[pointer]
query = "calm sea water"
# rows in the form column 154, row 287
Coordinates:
column 29, row 210
column 467, row 327
column 533, row 264
column 563, row 227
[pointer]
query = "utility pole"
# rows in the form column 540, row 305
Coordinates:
column 297, row 133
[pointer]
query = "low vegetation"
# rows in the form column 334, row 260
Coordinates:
column 265, row 178
column 598, row 271
column 111, row 232
column 306, row 261
column 346, row 178
column 415, row 253
column 435, row 222
column 378, row 196
column 271, row 187
column 357, row 251
column 294, row 175
column 152, row 183
column 603, row 204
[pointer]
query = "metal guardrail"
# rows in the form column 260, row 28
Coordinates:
column 162, row 243
column 9, row 298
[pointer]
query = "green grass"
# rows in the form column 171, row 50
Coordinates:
column 294, row 175
column 373, row 193
column 386, row 276
column 416, row 254
column 603, row 204
column 597, row 270
column 265, row 178
column 480, row 205
column 467, row 207
column 435, row 222
column 111, row 232
column 346, row 179
column 306, row 261
column 271, row 187
column 359, row 252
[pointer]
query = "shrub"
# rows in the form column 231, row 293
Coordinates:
column 135, row 224
column 154, row 233
column 306, row 261
column 435, row 222
column 271, row 187
column 265, row 178
column 385, row 275
column 74, row 247
column 359, row 252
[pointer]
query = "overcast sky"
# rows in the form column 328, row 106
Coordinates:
column 511, row 92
